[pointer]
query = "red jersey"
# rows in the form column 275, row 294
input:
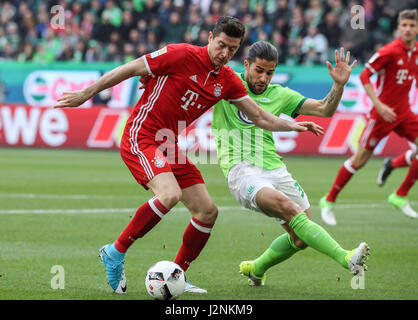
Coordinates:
column 396, row 66
column 184, row 85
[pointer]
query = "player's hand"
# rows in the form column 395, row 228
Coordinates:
column 385, row 112
column 308, row 126
column 72, row 99
column 342, row 70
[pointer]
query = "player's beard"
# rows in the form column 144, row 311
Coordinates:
column 253, row 86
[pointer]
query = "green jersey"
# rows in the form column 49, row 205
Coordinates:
column 238, row 139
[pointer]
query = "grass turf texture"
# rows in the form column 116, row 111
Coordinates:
column 48, row 216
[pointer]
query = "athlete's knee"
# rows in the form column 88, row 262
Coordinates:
column 297, row 241
column 289, row 209
column 207, row 214
column 211, row 213
column 353, row 164
column 170, row 198
column 300, row 244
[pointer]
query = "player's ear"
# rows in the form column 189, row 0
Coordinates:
column 246, row 65
column 210, row 36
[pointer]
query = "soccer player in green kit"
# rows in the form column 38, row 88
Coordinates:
column 256, row 174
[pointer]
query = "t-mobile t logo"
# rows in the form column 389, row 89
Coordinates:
column 401, row 76
column 191, row 100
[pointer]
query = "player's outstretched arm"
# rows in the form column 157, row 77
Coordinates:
column 340, row 74
column 268, row 121
column 74, row 99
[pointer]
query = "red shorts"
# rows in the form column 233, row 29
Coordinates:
column 146, row 160
column 376, row 129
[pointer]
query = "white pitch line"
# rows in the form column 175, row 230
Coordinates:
column 65, row 211
column 132, row 210
column 99, row 196
column 61, row 196
column 76, row 196
column 95, row 210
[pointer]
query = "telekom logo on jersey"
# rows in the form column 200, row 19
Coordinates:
column 190, row 98
column 401, row 75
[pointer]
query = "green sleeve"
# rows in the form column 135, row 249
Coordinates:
column 293, row 101
column 295, row 112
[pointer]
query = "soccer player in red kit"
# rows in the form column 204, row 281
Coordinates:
column 185, row 81
column 396, row 65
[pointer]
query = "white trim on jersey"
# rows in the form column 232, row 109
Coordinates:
column 137, row 123
column 146, row 165
column 148, row 109
column 147, row 66
column 214, row 72
column 367, row 132
column 133, row 141
column 368, row 66
column 239, row 99
column 379, row 90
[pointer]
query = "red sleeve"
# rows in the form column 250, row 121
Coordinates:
column 166, row 60
column 236, row 90
column 365, row 76
column 379, row 60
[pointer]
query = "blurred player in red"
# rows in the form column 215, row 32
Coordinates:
column 185, row 82
column 402, row 160
column 396, row 66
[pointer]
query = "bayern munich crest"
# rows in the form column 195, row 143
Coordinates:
column 217, row 91
column 158, row 162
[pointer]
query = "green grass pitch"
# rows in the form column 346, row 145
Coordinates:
column 58, row 207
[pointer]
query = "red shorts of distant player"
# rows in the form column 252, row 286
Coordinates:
column 146, row 160
column 376, row 129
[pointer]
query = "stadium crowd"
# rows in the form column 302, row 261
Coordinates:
column 304, row 31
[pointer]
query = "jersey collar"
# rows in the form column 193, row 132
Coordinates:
column 404, row 46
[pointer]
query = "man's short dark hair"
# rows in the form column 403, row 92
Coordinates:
column 231, row 26
column 263, row 50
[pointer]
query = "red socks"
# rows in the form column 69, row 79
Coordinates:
column 347, row 170
column 194, row 239
column 403, row 160
column 146, row 217
column 344, row 175
column 409, row 180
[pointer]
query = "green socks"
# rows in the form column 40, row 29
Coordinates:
column 311, row 233
column 317, row 238
column 281, row 249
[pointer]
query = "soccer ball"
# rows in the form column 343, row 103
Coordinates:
column 165, row 280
